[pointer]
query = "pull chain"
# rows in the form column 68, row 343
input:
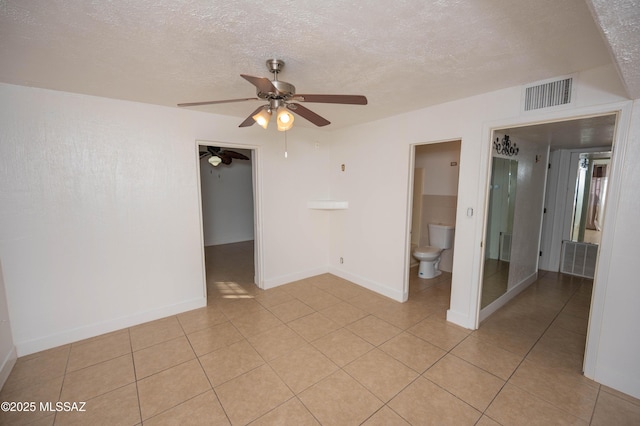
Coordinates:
column 285, row 144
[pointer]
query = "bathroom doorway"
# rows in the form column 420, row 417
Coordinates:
column 434, row 176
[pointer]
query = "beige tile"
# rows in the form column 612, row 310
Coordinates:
column 474, row 386
column 413, row 351
column 493, row 359
column 381, row 374
column 273, row 297
column 340, row 287
column 164, row 355
column 385, row 417
column 151, row 333
column 571, row 392
column 487, row 421
column 44, row 391
column 514, row 406
column 313, row 326
column 256, row 323
column 424, row 403
column 202, row 410
column 342, row 346
column 374, row 330
column 213, row 338
column 276, row 342
column 612, row 410
column 405, row 315
column 99, row 349
column 171, row 387
column 508, row 339
column 443, row 335
column 118, row 407
column 340, row 400
column 343, row 313
column 234, row 308
column 318, row 299
column 290, row 310
column 561, row 339
column 619, row 394
column 291, row 412
column 37, row 368
column 199, row 319
column 303, row 368
column 572, row 323
column 253, row 394
column 225, row 364
column 551, row 358
column 82, row 385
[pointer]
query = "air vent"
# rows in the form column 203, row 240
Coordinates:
column 548, row 94
column 579, row 259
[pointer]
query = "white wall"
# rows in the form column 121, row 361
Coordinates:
column 227, row 201
column 613, row 344
column 100, row 211
column 440, row 177
column 8, row 354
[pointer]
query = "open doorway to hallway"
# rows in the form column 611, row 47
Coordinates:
column 434, row 175
column 228, row 218
column 543, row 248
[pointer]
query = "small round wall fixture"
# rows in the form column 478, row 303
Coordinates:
column 505, row 146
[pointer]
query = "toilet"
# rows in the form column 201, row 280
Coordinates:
column 440, row 238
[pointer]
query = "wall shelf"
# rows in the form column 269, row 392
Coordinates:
column 328, row 205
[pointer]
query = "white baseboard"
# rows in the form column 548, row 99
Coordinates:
column 395, row 294
column 7, row 365
column 460, row 319
column 289, row 278
column 92, row 330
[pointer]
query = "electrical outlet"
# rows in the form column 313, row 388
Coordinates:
column 341, row 261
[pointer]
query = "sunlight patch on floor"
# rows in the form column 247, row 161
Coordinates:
column 232, row 290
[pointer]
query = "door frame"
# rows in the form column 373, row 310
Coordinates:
column 256, row 175
column 623, row 111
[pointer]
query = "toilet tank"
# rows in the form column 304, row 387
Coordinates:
column 441, row 236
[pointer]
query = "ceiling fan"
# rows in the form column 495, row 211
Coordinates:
column 282, row 98
column 218, row 155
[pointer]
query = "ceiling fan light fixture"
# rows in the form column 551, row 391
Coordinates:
column 284, row 119
column 215, row 160
column 263, row 117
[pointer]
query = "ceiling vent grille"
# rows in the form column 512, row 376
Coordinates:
column 549, row 94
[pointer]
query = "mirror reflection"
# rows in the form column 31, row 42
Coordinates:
column 502, row 197
column 589, row 196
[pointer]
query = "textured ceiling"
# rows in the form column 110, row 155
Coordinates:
column 403, row 55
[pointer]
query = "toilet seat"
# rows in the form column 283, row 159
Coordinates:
column 426, row 250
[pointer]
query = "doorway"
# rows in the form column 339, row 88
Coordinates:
column 229, row 216
column 557, row 202
column 434, row 175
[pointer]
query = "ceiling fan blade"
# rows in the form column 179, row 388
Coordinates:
column 308, row 114
column 190, row 104
column 333, row 99
column 249, row 120
column 203, row 154
column 236, row 155
column 263, row 84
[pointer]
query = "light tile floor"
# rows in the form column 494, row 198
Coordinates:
column 326, row 351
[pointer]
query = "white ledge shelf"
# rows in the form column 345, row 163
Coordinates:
column 328, row 205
